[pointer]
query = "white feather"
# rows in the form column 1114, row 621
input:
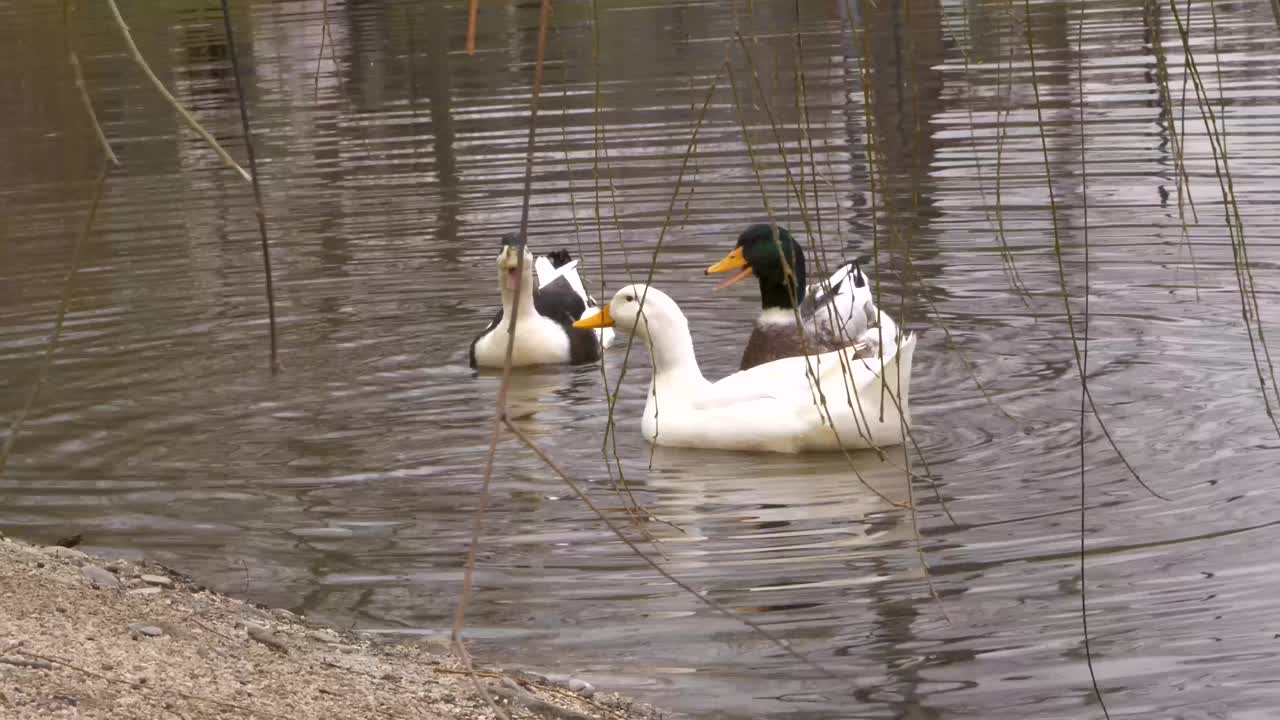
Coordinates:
column 851, row 310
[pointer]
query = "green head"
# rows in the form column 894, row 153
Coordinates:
column 777, row 262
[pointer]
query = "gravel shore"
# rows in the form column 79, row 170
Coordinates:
column 85, row 637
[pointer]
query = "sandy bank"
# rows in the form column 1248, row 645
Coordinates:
column 85, row 637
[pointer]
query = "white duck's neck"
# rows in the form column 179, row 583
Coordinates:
column 675, row 366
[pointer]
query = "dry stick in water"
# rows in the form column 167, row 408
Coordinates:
column 500, row 411
column 164, row 92
column 1182, row 180
column 324, row 33
column 1084, row 356
column 472, row 12
column 73, row 58
column 577, row 490
column 257, row 190
column 42, row 376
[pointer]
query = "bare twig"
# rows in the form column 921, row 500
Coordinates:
column 220, row 634
column 141, row 62
column 1250, row 312
column 1084, row 357
column 500, row 411
column 523, row 681
column 611, row 424
column 265, row 637
column 257, row 190
column 324, row 35
column 68, row 283
column 1057, row 252
column 518, row 695
column 73, row 58
column 471, row 26
column 25, row 663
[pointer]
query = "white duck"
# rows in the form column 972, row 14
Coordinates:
column 548, row 309
column 770, row 407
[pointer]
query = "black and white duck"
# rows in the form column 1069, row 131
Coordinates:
column 548, row 308
column 837, row 313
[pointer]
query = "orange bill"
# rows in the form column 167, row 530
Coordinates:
column 732, row 261
column 601, row 319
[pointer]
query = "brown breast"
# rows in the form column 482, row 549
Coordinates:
column 775, row 342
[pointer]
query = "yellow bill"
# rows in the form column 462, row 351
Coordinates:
column 732, row 261
column 601, row 319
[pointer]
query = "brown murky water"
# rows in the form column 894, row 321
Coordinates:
column 392, row 163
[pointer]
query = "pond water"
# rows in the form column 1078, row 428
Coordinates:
column 391, row 164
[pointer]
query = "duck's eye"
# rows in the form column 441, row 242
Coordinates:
column 630, row 298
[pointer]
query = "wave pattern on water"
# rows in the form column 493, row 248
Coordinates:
column 393, row 162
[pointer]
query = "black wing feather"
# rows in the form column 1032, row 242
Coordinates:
column 560, row 303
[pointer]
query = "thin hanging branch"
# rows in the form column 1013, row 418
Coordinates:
column 500, row 411
column 1084, row 357
column 109, row 159
column 544, row 19
column 73, row 58
column 1057, row 253
column 576, row 487
column 1250, row 312
column 257, row 189
column 141, row 62
column 324, row 36
column 68, row 284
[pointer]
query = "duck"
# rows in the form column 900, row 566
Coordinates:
column 771, row 407
column 547, row 310
column 832, row 315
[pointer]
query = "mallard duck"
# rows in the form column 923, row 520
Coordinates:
column 548, row 309
column 770, row 407
column 835, row 314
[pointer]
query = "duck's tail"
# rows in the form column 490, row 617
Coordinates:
column 880, row 390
